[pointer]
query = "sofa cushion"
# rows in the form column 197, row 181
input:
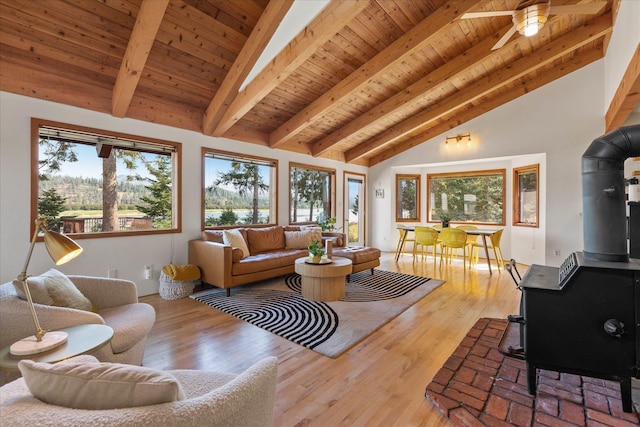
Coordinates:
column 357, row 254
column 84, row 383
column 213, row 236
column 235, row 239
column 265, row 239
column 268, row 261
column 54, row 288
column 297, row 239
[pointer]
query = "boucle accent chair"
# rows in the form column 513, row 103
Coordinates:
column 210, row 399
column 116, row 301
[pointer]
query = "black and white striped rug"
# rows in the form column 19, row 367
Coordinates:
column 329, row 328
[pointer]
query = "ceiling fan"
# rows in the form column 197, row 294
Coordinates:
column 529, row 16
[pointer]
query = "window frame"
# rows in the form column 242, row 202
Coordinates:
column 176, row 184
column 467, row 174
column 332, row 190
column 417, row 179
column 517, row 191
column 239, row 156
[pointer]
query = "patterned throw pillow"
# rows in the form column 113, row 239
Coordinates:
column 54, row 288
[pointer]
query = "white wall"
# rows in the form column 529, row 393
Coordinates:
column 128, row 255
column 623, row 43
column 553, row 126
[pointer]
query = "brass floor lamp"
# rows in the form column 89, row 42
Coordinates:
column 62, row 250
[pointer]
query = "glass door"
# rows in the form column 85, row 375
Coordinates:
column 354, row 208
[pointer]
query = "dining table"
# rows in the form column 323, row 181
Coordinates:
column 482, row 232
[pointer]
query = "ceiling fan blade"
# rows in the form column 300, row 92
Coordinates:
column 471, row 15
column 504, row 38
column 578, row 9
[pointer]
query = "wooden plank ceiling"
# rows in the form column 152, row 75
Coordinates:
column 364, row 81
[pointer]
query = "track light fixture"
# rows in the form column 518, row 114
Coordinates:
column 458, row 138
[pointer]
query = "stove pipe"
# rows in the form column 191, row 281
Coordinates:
column 603, row 197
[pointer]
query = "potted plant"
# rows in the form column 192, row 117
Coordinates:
column 325, row 222
column 445, row 218
column 316, row 250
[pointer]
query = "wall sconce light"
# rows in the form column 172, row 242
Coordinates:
column 458, row 138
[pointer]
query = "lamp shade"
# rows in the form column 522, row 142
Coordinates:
column 531, row 19
column 61, row 248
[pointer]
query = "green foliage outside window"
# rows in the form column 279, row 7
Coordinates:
column 50, row 206
column 476, row 197
column 92, row 181
column 239, row 189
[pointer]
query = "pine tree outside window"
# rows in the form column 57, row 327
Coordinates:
column 98, row 183
column 238, row 189
column 312, row 193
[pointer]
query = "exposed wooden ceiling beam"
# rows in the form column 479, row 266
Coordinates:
column 627, row 96
column 472, row 111
column 413, row 40
column 412, row 95
column 251, row 51
column 548, row 53
column 135, row 57
column 333, row 18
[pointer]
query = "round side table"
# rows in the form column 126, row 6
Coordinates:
column 82, row 339
column 323, row 282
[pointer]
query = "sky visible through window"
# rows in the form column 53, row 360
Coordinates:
column 89, row 165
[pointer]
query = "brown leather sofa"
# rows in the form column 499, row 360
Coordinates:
column 270, row 256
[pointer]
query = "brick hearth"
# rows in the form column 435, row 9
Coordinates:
column 479, row 386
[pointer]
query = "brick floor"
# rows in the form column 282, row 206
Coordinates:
column 478, row 386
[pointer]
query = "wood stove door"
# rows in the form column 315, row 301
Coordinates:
column 565, row 329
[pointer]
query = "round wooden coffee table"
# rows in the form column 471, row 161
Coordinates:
column 323, row 282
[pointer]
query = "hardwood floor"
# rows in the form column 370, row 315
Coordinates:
column 379, row 382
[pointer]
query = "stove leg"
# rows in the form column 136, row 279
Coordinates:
column 625, row 392
column 531, row 378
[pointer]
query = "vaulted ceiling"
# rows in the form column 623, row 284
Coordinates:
column 364, row 81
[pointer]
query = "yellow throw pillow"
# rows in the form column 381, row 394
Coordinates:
column 54, row 288
column 84, row 383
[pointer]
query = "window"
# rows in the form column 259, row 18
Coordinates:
column 525, row 196
column 476, row 197
column 407, row 198
column 238, row 189
column 312, row 192
column 97, row 183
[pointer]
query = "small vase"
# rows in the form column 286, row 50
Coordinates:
column 315, row 259
column 445, row 223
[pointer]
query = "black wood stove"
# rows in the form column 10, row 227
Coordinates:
column 583, row 317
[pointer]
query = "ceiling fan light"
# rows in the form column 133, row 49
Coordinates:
column 530, row 20
column 531, row 29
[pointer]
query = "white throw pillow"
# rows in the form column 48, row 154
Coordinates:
column 84, row 383
column 297, row 239
column 54, row 288
column 235, row 239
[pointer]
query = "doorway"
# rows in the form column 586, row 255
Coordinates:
column 354, row 208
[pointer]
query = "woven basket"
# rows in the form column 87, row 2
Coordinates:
column 171, row 289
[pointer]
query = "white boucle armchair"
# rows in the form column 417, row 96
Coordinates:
column 116, row 301
column 211, row 399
